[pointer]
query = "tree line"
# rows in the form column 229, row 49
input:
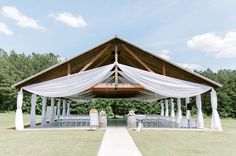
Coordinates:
column 18, row 66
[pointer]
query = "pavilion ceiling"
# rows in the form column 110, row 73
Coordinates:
column 128, row 54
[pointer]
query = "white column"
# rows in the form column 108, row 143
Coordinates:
column 32, row 112
column 55, row 113
column 64, row 108
column 215, row 120
column 44, row 105
column 179, row 111
column 162, row 108
column 51, row 119
column 188, row 113
column 58, row 109
column 19, row 122
column 167, row 110
column 200, row 122
column 68, row 109
column 172, row 114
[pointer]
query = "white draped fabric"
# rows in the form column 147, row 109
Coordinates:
column 187, row 100
column 44, row 105
column 162, row 108
column 215, row 120
column 51, row 119
column 32, row 112
column 172, row 114
column 188, row 113
column 68, row 109
column 19, row 123
column 71, row 85
column 200, row 122
column 179, row 111
column 161, row 86
column 58, row 109
column 64, row 108
column 77, row 83
column 167, row 109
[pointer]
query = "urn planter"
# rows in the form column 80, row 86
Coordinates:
column 131, row 122
column 102, row 121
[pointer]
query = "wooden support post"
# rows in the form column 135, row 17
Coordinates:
column 68, row 69
column 138, row 59
column 116, row 67
column 164, row 68
column 94, row 59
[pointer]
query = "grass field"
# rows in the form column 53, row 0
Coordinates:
column 46, row 143
column 188, row 143
column 86, row 143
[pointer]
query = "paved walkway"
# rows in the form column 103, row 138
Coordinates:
column 118, row 142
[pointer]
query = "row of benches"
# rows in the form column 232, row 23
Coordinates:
column 146, row 122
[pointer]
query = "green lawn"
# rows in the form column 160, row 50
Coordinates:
column 86, row 143
column 188, row 143
column 46, row 143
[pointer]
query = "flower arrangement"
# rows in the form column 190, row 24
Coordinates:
column 131, row 113
column 102, row 113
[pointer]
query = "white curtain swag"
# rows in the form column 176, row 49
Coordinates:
column 160, row 85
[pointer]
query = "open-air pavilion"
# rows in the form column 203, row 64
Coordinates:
column 118, row 69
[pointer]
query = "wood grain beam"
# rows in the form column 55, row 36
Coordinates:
column 121, row 87
column 163, row 68
column 129, row 60
column 94, row 59
column 104, row 59
column 68, row 68
column 138, row 59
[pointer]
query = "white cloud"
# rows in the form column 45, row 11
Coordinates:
column 165, row 54
column 61, row 59
column 21, row 19
column 5, row 30
column 190, row 66
column 220, row 47
column 69, row 19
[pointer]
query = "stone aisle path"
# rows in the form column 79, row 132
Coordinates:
column 118, row 142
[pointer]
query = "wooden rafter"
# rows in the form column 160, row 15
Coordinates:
column 138, row 59
column 131, row 63
column 102, row 61
column 94, row 59
column 129, row 59
column 164, row 68
column 120, row 87
column 78, row 62
column 68, row 69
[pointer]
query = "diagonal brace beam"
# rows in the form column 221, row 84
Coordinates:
column 138, row 59
column 94, row 59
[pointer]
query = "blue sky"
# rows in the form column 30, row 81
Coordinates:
column 197, row 34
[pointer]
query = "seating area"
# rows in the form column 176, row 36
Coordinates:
column 155, row 121
column 70, row 121
column 185, row 123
